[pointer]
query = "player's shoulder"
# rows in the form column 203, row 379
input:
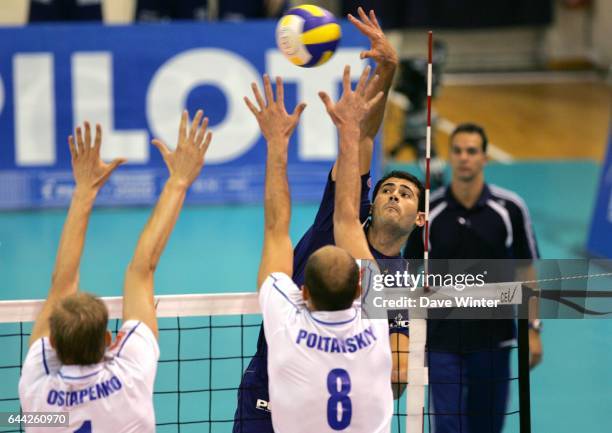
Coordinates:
column 279, row 283
column 437, row 196
column 134, row 339
column 41, row 359
column 278, row 280
column 509, row 199
column 438, row 201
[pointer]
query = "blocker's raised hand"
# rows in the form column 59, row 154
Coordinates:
column 354, row 105
column 274, row 121
column 187, row 160
column 88, row 169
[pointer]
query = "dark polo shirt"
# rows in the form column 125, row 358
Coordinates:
column 498, row 226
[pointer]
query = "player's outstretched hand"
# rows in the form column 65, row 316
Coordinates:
column 354, row 105
column 187, row 160
column 88, row 169
column 381, row 49
column 275, row 123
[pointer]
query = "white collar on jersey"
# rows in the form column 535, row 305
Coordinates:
column 334, row 317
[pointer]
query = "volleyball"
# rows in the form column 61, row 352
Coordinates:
column 308, row 35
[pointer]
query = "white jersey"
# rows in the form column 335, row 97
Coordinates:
column 329, row 370
column 115, row 395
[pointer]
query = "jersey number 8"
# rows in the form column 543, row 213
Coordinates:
column 339, row 406
column 85, row 428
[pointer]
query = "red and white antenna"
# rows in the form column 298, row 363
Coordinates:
column 418, row 376
column 428, row 150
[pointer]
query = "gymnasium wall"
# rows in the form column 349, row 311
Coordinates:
column 577, row 35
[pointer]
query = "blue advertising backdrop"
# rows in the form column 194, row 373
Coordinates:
column 135, row 81
column 600, row 237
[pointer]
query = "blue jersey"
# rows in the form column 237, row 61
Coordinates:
column 253, row 412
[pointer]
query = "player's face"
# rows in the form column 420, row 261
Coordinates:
column 467, row 158
column 397, row 204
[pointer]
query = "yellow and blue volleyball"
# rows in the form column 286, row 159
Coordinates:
column 308, row 35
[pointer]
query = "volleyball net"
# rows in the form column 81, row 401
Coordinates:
column 206, row 342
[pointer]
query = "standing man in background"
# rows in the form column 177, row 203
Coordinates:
column 469, row 360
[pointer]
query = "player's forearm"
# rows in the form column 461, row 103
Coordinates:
column 277, row 199
column 66, row 271
column 385, row 72
column 348, row 182
column 399, row 354
column 157, row 231
column 372, row 123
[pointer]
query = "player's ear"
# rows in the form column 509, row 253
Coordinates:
column 305, row 293
column 108, row 338
column 420, row 219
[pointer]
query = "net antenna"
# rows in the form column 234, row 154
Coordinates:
column 417, row 370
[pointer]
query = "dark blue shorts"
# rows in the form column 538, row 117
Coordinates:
column 252, row 413
column 469, row 392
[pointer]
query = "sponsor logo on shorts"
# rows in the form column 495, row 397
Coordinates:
column 263, row 405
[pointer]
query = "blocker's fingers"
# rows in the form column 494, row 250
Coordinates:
column 183, row 126
column 299, row 109
column 194, row 124
column 79, row 140
column 375, row 100
column 161, row 146
column 268, row 89
column 206, row 143
column 87, row 136
column 258, row 97
column 346, row 79
column 251, row 106
column 326, row 101
column 361, row 84
column 372, row 85
column 98, row 139
column 280, row 92
column 73, row 151
column 201, row 131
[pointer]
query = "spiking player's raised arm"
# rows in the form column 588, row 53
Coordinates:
column 276, row 126
column 385, row 56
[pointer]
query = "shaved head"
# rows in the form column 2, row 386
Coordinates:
column 332, row 278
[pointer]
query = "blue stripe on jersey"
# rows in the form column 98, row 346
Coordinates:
column 79, row 377
column 126, row 338
column 281, row 292
column 343, row 322
column 44, row 357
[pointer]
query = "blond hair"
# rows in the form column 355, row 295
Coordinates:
column 78, row 328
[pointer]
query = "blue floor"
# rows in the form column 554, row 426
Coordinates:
column 216, row 249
